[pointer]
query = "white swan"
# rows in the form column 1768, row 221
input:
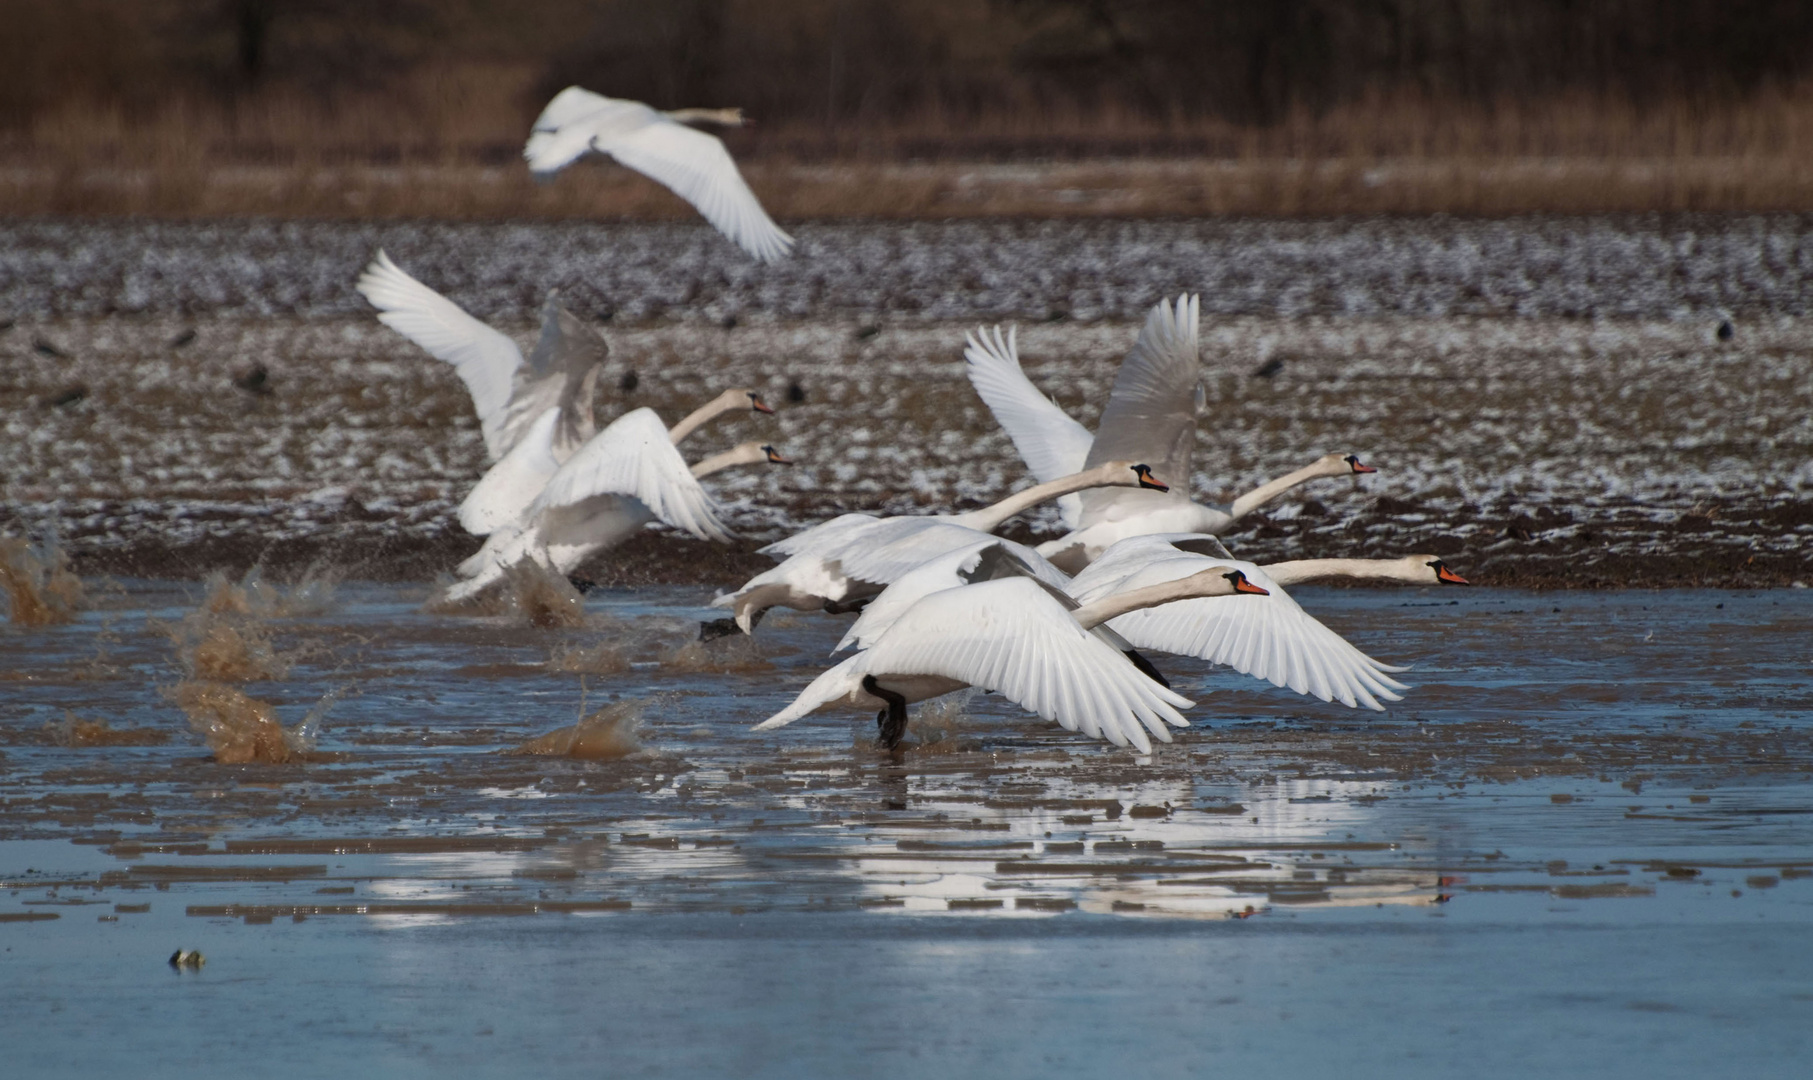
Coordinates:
column 1151, row 415
column 855, row 556
column 628, row 475
column 1014, row 636
column 509, row 486
column 1275, row 640
column 659, row 145
column 508, row 394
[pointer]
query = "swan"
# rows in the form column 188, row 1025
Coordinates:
column 659, row 145
column 628, row 475
column 1151, row 415
column 1013, row 636
column 852, row 557
column 508, row 393
column 509, row 486
column 1276, row 640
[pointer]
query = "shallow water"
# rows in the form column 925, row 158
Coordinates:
column 1580, row 847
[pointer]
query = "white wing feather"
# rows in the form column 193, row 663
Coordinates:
column 509, row 486
column 1012, row 637
column 1270, row 638
column 1050, row 442
column 1151, row 413
column 948, row 571
column 484, row 359
column 634, row 457
column 698, row 169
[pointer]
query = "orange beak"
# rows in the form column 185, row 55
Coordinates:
column 1442, row 573
column 1147, row 480
column 1354, row 462
column 774, row 456
column 759, row 405
column 1242, row 585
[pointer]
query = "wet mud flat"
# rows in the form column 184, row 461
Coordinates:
column 1579, row 844
column 1537, row 451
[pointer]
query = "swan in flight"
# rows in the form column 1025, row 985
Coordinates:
column 509, row 486
column 1014, row 636
column 508, row 393
column 628, row 475
column 1275, row 640
column 852, row 557
column 659, row 145
column 1150, row 416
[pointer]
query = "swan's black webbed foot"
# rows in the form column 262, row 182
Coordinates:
column 1145, row 668
column 713, row 629
column 893, row 719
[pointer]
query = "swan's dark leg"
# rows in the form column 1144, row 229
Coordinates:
column 1145, row 668
column 838, row 607
column 893, row 719
column 583, row 584
column 713, row 629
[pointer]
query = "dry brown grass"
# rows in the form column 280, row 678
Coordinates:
column 445, row 145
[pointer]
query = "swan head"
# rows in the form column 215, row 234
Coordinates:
column 1354, row 465
column 773, row 456
column 1217, row 581
column 1442, row 573
column 1143, row 477
column 1237, row 578
column 757, row 404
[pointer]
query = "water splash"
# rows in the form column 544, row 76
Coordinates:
column 227, row 637
column 252, row 595
column 529, row 592
column 241, row 729
column 37, row 580
column 606, row 735
column 731, row 655
column 943, row 725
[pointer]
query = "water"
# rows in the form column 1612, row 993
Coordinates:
column 1578, row 847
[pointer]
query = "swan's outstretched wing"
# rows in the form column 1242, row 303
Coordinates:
column 896, row 546
column 1012, row 637
column 1151, row 413
column 1049, row 441
column 484, row 359
column 698, row 169
column 508, row 487
column 1270, row 637
column 980, row 560
column 634, row 457
column 567, row 126
column 560, row 372
column 821, row 537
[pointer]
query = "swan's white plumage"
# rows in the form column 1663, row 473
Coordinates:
column 1151, row 412
column 1013, row 637
column 1270, row 638
column 508, row 487
column 485, row 360
column 691, row 163
column 951, row 570
column 635, row 458
column 1049, row 441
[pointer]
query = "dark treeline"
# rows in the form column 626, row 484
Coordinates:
column 1248, row 62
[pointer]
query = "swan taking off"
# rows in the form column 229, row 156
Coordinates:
column 1014, row 636
column 659, row 145
column 508, row 393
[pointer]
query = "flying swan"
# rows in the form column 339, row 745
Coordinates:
column 659, row 145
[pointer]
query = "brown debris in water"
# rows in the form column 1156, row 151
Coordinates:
column 240, row 729
column 253, row 596
column 226, row 638
column 74, row 732
column 37, row 579
column 606, row 735
column 730, row 655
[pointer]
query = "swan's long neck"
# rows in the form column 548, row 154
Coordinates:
column 1270, row 490
column 1205, row 583
column 705, row 413
column 1413, row 569
column 741, row 455
column 989, row 518
column 726, row 117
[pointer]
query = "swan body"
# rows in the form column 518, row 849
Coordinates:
column 1275, row 639
column 1013, row 636
column 1151, row 416
column 508, row 393
column 508, row 487
column 856, row 555
column 659, row 145
column 628, row 475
